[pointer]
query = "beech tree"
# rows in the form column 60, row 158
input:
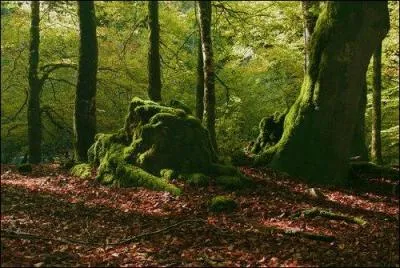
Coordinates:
column 376, row 151
column 208, row 69
column 85, row 99
column 154, row 87
column 34, row 120
column 310, row 14
column 320, row 126
column 200, row 84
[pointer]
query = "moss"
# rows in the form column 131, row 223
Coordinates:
column 83, row 171
column 24, row 168
column 156, row 141
column 198, row 179
column 314, row 212
column 132, row 176
column 180, row 105
column 223, row 204
column 168, row 173
column 271, row 129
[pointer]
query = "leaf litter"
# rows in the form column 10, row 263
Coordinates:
column 50, row 218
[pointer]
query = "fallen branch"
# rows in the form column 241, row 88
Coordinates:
column 299, row 233
column 314, row 212
column 20, row 235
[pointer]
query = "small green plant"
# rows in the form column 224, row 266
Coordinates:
column 223, row 204
column 25, row 168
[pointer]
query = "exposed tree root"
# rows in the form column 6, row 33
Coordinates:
column 314, row 212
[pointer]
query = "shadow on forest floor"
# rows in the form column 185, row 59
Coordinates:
column 59, row 210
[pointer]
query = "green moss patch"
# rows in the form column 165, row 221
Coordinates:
column 223, row 204
column 83, row 171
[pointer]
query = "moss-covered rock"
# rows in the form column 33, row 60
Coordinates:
column 271, row 129
column 157, row 143
column 83, row 171
column 24, row 168
column 223, row 204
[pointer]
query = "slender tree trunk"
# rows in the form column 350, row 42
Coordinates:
column 85, row 99
column 154, row 89
column 319, row 128
column 200, row 84
column 310, row 15
column 208, row 69
column 376, row 150
column 34, row 120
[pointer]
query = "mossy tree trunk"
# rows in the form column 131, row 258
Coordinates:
column 208, row 69
column 376, row 149
column 310, row 15
column 34, row 120
column 200, row 84
column 85, row 99
column 319, row 128
column 154, row 87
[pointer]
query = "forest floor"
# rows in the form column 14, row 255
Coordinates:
column 50, row 218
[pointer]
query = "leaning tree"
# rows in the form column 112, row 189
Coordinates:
column 319, row 128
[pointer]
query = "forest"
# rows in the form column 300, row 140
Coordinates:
column 199, row 133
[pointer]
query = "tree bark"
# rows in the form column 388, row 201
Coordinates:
column 359, row 146
column 85, row 99
column 310, row 15
column 200, row 84
column 319, row 127
column 376, row 149
column 34, row 120
column 154, row 88
column 208, row 69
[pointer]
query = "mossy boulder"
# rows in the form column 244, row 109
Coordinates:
column 83, row 170
column 223, row 204
column 157, row 143
column 271, row 130
column 198, row 180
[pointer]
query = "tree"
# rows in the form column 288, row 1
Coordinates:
column 358, row 146
column 85, row 99
column 376, row 151
column 319, row 127
column 200, row 83
column 208, row 69
column 34, row 120
column 310, row 14
column 154, row 89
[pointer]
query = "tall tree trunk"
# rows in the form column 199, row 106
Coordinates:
column 359, row 146
column 319, row 127
column 208, row 69
column 85, row 99
column 200, row 84
column 310, row 15
column 34, row 120
column 376, row 150
column 154, row 89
